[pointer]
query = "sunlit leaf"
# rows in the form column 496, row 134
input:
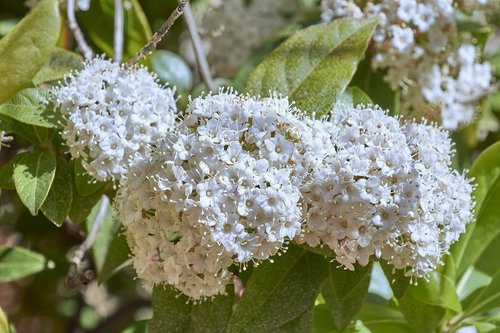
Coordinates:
column 33, row 176
column 315, row 65
column 17, row 262
column 174, row 313
column 25, row 49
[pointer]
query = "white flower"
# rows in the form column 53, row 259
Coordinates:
column 112, row 113
column 226, row 182
column 424, row 53
column 385, row 190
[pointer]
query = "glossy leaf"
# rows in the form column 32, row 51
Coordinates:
column 383, row 319
column 30, row 106
column 422, row 317
column 345, row 291
column 277, row 293
column 315, row 65
column 60, row 63
column 300, row 324
column 33, row 176
column 172, row 69
column 322, row 319
column 17, row 262
column 486, row 171
column 488, row 298
column 58, row 202
column 174, row 313
column 439, row 290
column 25, row 49
column 109, row 250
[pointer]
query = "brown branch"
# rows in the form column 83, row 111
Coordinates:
column 157, row 37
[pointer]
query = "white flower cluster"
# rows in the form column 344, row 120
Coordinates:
column 419, row 44
column 242, row 176
column 386, row 190
column 223, row 188
column 232, row 29
column 112, row 113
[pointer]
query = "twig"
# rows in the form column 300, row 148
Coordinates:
column 77, row 275
column 99, row 219
column 80, row 40
column 157, row 37
column 118, row 36
column 198, row 48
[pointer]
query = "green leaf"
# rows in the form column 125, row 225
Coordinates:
column 27, row 47
column 4, row 323
column 300, row 324
column 383, row 319
column 109, row 250
column 357, row 327
column 425, row 304
column 33, row 176
column 34, row 134
column 345, row 291
column 58, row 203
column 278, row 292
column 257, row 56
column 81, row 206
column 315, row 65
column 440, row 291
column 352, row 97
column 172, row 69
column 174, row 313
column 471, row 281
column 486, row 172
column 7, row 171
column 488, row 298
column 97, row 22
column 30, row 106
column 60, row 63
column 85, row 184
column 17, row 262
column 322, row 319
column 137, row 327
column 422, row 317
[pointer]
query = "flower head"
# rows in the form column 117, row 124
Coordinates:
column 227, row 182
column 386, row 190
column 112, row 113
